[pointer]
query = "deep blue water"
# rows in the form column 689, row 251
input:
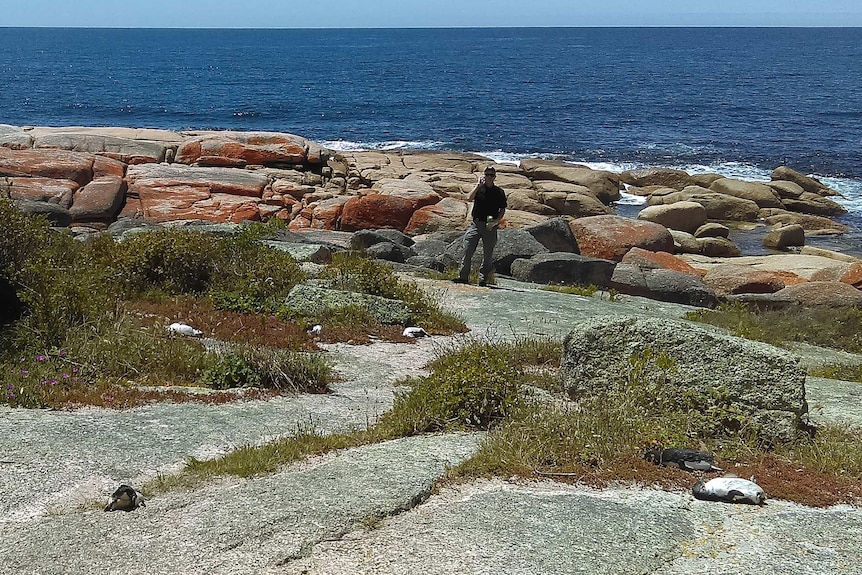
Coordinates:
column 733, row 99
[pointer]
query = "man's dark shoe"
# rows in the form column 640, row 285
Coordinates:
column 482, row 283
column 459, row 281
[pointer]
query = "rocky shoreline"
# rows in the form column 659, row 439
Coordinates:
column 562, row 222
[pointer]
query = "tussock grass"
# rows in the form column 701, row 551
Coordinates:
column 586, row 291
column 839, row 371
column 839, row 328
column 255, row 461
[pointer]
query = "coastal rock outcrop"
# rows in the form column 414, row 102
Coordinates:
column 662, row 285
column 93, row 178
column 718, row 206
column 686, row 216
column 610, row 237
column 762, row 382
column 238, row 149
column 562, row 268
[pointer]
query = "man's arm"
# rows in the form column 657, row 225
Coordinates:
column 479, row 183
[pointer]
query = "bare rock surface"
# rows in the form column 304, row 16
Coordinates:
column 497, row 527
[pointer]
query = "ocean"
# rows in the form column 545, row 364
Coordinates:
column 738, row 101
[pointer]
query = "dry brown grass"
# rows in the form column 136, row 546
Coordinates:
column 779, row 479
column 258, row 329
column 254, row 329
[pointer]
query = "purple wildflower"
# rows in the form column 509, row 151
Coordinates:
column 24, row 372
column 62, row 353
column 65, row 376
column 41, row 358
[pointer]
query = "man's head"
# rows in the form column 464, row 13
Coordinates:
column 490, row 173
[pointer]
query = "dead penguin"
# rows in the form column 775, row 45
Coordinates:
column 729, row 490
column 687, row 459
column 125, row 498
column 414, row 332
column 184, row 329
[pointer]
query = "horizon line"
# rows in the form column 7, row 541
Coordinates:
column 572, row 26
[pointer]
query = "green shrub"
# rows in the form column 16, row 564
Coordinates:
column 238, row 271
column 840, row 371
column 229, row 371
column 586, row 291
column 253, row 366
column 176, row 261
column 473, row 387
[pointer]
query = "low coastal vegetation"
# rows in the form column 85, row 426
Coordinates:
column 513, row 392
column 86, row 323
column 836, row 328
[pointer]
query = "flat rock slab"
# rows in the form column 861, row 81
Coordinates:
column 238, row 527
column 834, row 401
column 52, row 460
column 548, row 528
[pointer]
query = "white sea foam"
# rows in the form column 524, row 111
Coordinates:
column 627, row 199
column 501, row 157
column 348, row 146
column 850, row 190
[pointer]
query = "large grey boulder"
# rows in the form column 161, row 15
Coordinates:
column 14, row 137
column 563, row 268
column 302, row 252
column 364, row 239
column 390, row 251
column 556, row 235
column 512, row 244
column 765, row 383
column 56, row 214
column 663, row 285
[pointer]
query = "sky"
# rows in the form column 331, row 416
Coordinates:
column 426, row 13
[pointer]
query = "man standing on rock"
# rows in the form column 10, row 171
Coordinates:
column 488, row 207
